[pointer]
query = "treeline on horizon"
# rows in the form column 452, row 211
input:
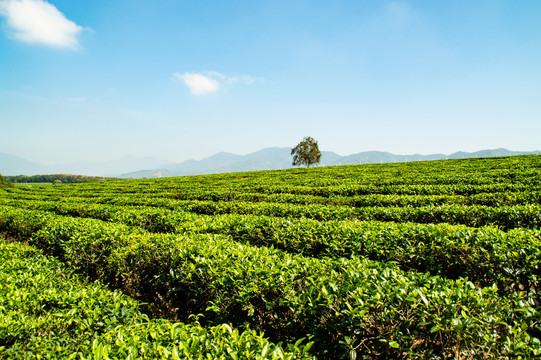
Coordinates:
column 63, row 178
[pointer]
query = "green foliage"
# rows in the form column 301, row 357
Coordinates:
column 289, row 297
column 47, row 311
column 306, row 152
column 485, row 255
column 417, row 260
column 63, row 178
column 3, row 183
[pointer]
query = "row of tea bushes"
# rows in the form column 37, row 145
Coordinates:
column 48, row 312
column 372, row 200
column 506, row 217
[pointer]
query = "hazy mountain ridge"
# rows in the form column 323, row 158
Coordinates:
column 273, row 158
column 280, row 158
column 15, row 165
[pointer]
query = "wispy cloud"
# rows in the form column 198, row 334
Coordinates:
column 209, row 82
column 37, row 21
column 244, row 79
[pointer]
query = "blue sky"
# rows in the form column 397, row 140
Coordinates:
column 99, row 80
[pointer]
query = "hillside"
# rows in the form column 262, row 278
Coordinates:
column 373, row 261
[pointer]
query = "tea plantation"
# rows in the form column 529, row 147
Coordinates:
column 423, row 260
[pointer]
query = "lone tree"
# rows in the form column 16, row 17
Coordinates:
column 306, row 152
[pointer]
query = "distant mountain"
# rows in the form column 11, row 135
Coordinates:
column 371, row 157
column 15, row 165
column 107, row 168
column 280, row 158
column 489, row 153
column 267, row 159
column 147, row 174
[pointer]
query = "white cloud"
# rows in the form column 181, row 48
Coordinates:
column 37, row 21
column 199, row 84
column 215, row 74
column 211, row 81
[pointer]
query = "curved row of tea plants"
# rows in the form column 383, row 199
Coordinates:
column 506, row 217
column 373, row 200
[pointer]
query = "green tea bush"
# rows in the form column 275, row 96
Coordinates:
column 48, row 312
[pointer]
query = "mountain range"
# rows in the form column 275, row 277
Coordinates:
column 267, row 159
column 280, row 158
column 15, row 165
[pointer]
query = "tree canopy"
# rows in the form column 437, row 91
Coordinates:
column 306, row 152
column 64, row 178
column 3, row 184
